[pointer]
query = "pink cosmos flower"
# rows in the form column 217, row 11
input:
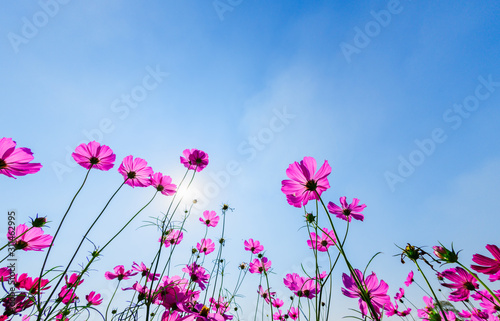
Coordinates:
column 67, row 295
column 304, row 183
column 279, row 316
column 409, row 279
column 135, row 171
column 202, row 313
column 194, row 159
column 4, row 274
column 31, row 285
column 253, row 246
column 278, row 303
column 488, row 303
column 322, row 243
column 400, row 294
column 197, row 274
column 20, row 303
column 94, row 155
column 30, row 239
column 347, row 211
column 163, row 184
column 293, row 313
column 119, row 273
column 464, row 282
column 377, row 292
column 219, row 306
column 71, row 282
column 93, row 298
column 302, row 286
column 488, row 265
column 145, row 271
column 172, row 237
column 210, row 218
column 259, row 266
column 266, row 294
column 206, row 246
column 16, row 161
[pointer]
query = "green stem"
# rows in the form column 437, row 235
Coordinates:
column 109, row 304
column 432, row 290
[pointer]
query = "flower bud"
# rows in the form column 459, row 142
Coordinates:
column 446, row 255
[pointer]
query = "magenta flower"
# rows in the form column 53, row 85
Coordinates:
column 119, row 273
column 409, row 279
column 302, row 286
column 304, row 183
column 135, row 171
column 279, row 316
column 322, row 243
column 4, row 274
column 16, row 161
column 163, row 184
column 145, row 271
column 400, row 294
column 172, row 237
column 266, row 294
column 71, row 282
column 194, row 159
column 210, row 218
column 202, row 313
column 253, row 246
column 278, row 303
column 94, row 155
column 31, row 285
column 488, row 265
column 93, row 298
column 347, row 211
column 464, row 282
column 30, row 239
column 259, row 266
column 67, row 295
column 219, row 306
column 377, row 292
column 293, row 313
column 206, row 246
column 197, row 274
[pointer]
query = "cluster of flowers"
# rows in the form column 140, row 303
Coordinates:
column 199, row 294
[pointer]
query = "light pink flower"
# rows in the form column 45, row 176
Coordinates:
column 304, row 183
column 293, row 313
column 377, row 292
column 194, row 159
column 400, row 294
column 206, row 246
column 136, row 171
column 488, row 265
column 210, row 218
column 464, row 282
column 94, row 155
column 93, row 298
column 172, row 237
column 119, row 273
column 253, row 246
column 322, row 243
column 302, row 286
column 32, row 240
column 163, row 184
column 266, row 294
column 16, row 161
column 145, row 271
column 347, row 211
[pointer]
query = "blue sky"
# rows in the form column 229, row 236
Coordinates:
column 406, row 116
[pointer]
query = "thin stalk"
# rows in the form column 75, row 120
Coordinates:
column 432, row 290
